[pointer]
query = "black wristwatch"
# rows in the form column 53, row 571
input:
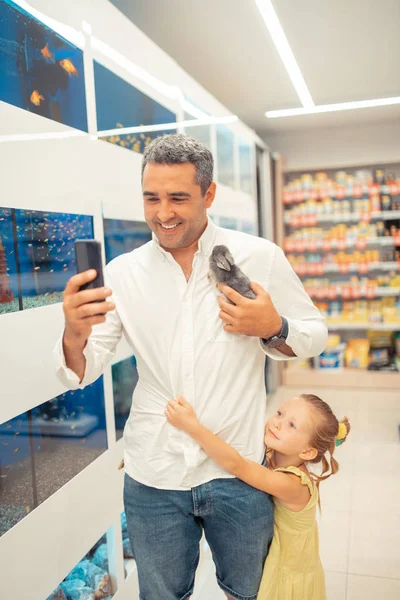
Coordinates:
column 278, row 340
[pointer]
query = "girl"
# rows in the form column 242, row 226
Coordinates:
column 302, row 431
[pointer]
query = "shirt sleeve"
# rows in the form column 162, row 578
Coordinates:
column 99, row 350
column 308, row 332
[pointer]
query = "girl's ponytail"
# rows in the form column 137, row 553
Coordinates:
column 329, row 433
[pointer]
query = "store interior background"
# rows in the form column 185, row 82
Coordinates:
column 73, row 75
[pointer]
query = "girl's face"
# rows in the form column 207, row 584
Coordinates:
column 289, row 430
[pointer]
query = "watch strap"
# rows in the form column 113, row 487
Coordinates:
column 283, row 333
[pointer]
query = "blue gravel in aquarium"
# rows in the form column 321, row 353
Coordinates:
column 17, row 483
column 228, row 222
column 122, row 236
column 127, row 548
column 42, row 449
column 9, row 301
column 88, row 580
column 39, row 70
column 125, row 377
column 225, row 154
column 119, row 104
column 129, row 559
column 46, row 253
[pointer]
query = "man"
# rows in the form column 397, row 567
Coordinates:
column 187, row 339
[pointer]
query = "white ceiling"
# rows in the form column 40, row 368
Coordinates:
column 346, row 50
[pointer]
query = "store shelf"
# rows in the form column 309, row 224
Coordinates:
column 387, row 215
column 379, row 293
column 344, row 378
column 385, row 241
column 387, row 291
column 329, row 269
column 363, row 326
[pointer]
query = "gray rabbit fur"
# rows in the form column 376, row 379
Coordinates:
column 223, row 270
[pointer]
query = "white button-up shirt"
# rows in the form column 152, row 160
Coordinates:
column 177, row 337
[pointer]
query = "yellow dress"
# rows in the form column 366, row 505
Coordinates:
column 293, row 569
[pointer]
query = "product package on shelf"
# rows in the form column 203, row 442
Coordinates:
column 397, row 349
column 332, row 358
column 357, row 354
column 383, row 353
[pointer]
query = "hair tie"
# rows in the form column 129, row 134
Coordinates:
column 342, row 434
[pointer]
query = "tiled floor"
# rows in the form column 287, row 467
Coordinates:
column 360, row 520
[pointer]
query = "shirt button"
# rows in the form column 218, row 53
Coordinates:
column 187, row 375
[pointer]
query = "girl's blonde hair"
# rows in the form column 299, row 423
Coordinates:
column 328, row 433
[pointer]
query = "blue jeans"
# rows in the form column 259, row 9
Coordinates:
column 165, row 528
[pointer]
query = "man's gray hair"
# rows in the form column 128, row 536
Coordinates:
column 176, row 148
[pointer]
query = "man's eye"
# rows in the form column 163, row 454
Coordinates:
column 278, row 412
column 292, row 425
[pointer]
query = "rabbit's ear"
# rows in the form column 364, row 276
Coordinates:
column 223, row 263
column 229, row 258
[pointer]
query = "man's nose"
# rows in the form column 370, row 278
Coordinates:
column 166, row 212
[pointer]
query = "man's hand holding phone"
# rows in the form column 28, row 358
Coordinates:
column 84, row 308
column 85, row 303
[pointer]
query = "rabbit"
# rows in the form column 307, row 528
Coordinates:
column 223, row 270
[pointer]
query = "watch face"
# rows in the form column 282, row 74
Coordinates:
column 275, row 342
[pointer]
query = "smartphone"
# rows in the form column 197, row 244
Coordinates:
column 88, row 256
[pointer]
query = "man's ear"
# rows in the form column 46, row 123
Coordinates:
column 210, row 194
column 308, row 454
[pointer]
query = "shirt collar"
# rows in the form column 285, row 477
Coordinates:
column 205, row 241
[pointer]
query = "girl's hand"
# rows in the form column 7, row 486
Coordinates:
column 182, row 415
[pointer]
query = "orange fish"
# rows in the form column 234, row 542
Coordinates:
column 36, row 98
column 68, row 66
column 47, row 55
